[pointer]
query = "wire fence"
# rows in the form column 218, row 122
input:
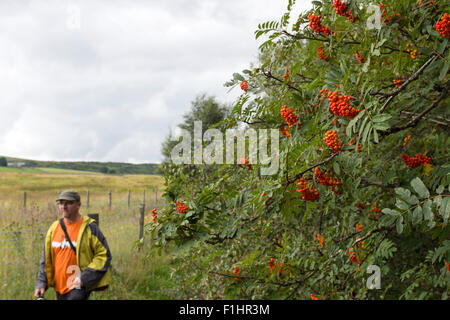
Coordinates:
column 23, row 231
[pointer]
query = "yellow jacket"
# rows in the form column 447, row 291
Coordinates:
column 93, row 257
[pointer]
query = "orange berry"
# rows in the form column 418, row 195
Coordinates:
column 289, row 116
column 181, row 207
column 339, row 105
column 443, row 26
column 244, row 85
column 316, row 26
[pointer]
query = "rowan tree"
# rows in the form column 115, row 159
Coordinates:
column 373, row 117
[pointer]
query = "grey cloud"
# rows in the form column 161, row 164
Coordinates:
column 111, row 89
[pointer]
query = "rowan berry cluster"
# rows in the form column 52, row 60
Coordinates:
column 373, row 214
column 313, row 297
column 398, row 82
column 339, row 105
column 443, row 26
column 308, row 193
column 326, row 180
column 285, row 132
column 323, row 91
column 407, row 138
column 341, row 9
column 245, row 162
column 181, row 207
column 360, row 205
column 331, row 139
column 416, row 161
column 426, row 3
column 360, row 243
column 154, row 215
column 286, row 74
column 321, row 54
column 273, row 265
column 353, row 257
column 316, row 25
column 289, row 116
column 320, row 239
column 375, row 209
column 244, row 85
column 412, row 53
column 384, row 14
column 359, row 57
column 236, row 272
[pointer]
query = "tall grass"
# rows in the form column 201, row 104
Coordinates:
column 135, row 274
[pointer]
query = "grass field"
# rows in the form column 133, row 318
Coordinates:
column 42, row 170
column 135, row 275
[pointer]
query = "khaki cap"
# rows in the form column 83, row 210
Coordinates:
column 69, row 195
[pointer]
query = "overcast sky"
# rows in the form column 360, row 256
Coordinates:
column 105, row 80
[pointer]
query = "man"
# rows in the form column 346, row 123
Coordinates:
column 76, row 267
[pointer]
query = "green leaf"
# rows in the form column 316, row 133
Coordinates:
column 427, row 213
column 237, row 76
column 405, row 195
column 366, row 132
column 352, row 123
column 336, row 168
column 417, row 215
column 375, row 136
column 382, row 126
column 444, row 209
column 443, row 71
column 399, row 225
column 381, row 117
column 401, row 204
column 420, row 188
column 390, row 212
column 387, row 220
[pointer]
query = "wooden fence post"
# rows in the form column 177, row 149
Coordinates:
column 156, row 195
column 128, row 200
column 141, row 224
column 109, row 199
column 143, row 197
column 24, row 206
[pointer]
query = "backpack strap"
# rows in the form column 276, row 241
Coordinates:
column 63, row 226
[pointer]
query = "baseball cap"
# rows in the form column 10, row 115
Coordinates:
column 69, row 195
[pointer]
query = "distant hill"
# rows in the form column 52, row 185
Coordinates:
column 91, row 166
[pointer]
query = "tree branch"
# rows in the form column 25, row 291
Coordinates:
column 394, row 93
column 438, row 120
column 413, row 122
column 269, row 75
column 298, row 176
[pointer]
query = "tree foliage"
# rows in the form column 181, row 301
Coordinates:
column 377, row 83
column 210, row 113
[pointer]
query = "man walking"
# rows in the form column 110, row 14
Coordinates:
column 76, row 257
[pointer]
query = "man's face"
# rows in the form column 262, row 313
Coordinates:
column 69, row 209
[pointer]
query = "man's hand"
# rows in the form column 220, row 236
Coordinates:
column 39, row 292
